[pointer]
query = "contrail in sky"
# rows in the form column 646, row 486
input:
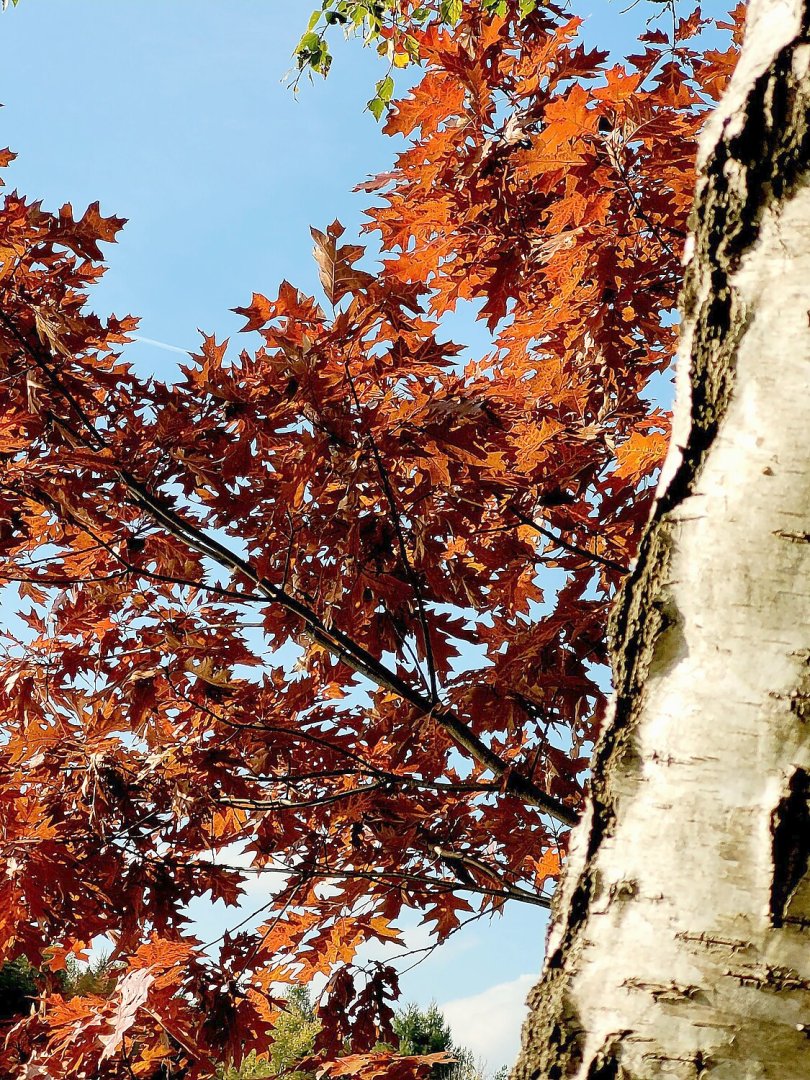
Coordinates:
column 160, row 344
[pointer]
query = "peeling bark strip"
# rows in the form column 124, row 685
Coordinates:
column 681, row 941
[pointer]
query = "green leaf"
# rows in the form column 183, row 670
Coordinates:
column 383, row 92
column 450, row 11
column 308, row 42
column 412, row 48
column 376, row 107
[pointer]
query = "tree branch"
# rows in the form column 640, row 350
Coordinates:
column 611, row 564
column 335, row 641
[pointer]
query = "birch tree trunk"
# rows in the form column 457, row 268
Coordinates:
column 681, row 943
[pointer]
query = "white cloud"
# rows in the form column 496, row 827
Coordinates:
column 489, row 1023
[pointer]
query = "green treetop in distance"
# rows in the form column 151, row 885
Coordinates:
column 425, row 1031
column 418, row 1031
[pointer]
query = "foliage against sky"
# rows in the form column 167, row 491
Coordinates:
column 350, row 493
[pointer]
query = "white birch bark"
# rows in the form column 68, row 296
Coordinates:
column 681, row 943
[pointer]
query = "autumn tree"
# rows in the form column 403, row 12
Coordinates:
column 251, row 597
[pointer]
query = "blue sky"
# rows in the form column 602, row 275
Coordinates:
column 175, row 116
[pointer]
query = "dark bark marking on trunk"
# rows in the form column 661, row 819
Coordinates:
column 667, row 992
column 700, row 1062
column 779, row 980
column 607, row 1068
column 790, row 829
column 722, row 945
column 793, row 537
